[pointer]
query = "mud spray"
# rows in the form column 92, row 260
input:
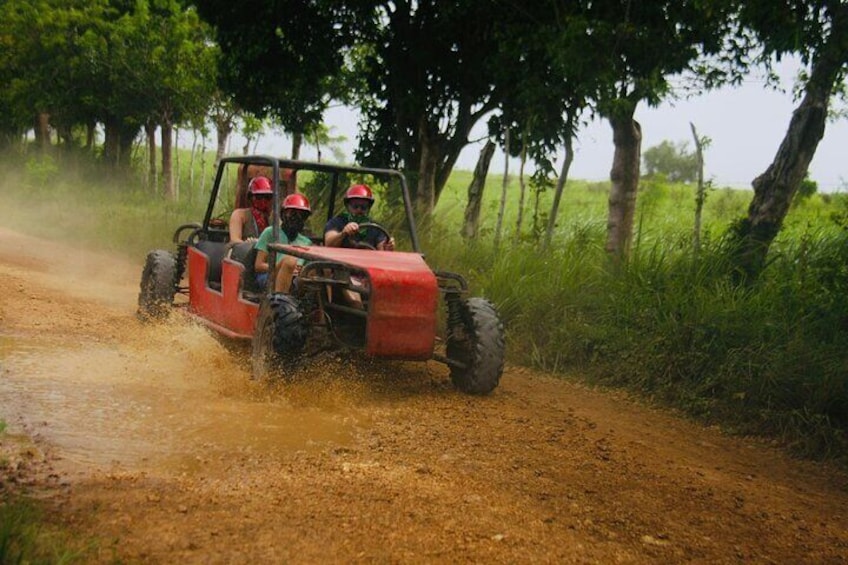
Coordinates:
column 109, row 391
column 165, row 395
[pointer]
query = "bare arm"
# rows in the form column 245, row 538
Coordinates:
column 334, row 238
column 237, row 225
column 261, row 263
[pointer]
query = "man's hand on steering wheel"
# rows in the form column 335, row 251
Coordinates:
column 387, row 244
column 350, row 229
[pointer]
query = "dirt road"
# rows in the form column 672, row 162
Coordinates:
column 163, row 451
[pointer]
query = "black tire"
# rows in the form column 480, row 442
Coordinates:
column 158, row 285
column 478, row 343
column 279, row 338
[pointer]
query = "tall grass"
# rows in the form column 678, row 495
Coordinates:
column 26, row 537
column 768, row 359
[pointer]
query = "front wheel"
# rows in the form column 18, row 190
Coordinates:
column 158, row 285
column 279, row 338
column 476, row 342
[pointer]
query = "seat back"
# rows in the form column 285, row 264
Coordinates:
column 245, row 253
column 216, row 251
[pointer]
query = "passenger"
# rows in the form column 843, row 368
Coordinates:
column 295, row 211
column 344, row 230
column 247, row 223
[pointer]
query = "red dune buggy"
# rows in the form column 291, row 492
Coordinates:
column 396, row 315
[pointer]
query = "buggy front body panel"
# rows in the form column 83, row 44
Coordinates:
column 402, row 300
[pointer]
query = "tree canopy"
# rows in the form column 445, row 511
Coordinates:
column 282, row 59
column 121, row 64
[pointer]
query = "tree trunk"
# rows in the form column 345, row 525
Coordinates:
column 90, row 129
column 192, row 157
column 66, row 137
column 428, row 164
column 522, row 186
column 475, row 191
column 167, row 171
column 700, row 195
column 504, row 183
column 203, row 163
column 774, row 189
column 150, row 135
column 111, row 142
column 442, row 151
column 624, row 177
column 42, row 131
column 176, row 160
column 318, row 139
column 560, row 188
column 223, row 128
column 297, row 143
column 125, row 144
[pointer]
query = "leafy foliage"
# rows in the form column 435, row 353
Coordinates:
column 674, row 161
column 282, row 59
column 426, row 83
column 806, row 189
column 51, row 59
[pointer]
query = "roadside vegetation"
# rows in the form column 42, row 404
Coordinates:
column 767, row 358
column 764, row 358
column 26, row 537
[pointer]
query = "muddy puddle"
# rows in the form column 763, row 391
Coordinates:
column 164, row 398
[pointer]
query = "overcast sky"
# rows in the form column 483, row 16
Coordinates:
column 746, row 125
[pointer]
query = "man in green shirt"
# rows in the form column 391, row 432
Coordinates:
column 295, row 211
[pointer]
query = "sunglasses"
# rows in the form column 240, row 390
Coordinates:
column 263, row 196
column 358, row 207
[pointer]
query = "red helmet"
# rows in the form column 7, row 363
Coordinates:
column 296, row 201
column 359, row 191
column 259, row 185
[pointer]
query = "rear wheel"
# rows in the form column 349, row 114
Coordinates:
column 280, row 336
column 158, row 285
column 476, row 341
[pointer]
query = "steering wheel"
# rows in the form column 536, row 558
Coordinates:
column 363, row 245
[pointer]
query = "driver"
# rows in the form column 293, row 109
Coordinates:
column 344, row 230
